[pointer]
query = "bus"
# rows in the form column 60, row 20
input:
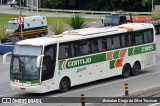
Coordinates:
column 75, row 57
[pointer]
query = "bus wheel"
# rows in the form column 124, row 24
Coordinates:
column 126, row 71
column 42, row 34
column 64, row 84
column 136, row 68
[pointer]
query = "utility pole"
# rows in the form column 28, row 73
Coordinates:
column 1, row 8
column 152, row 5
column 20, row 7
column 37, row 6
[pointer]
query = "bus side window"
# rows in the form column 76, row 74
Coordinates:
column 116, row 42
column 148, row 36
column 132, row 38
column 65, row 51
column 138, row 38
column 85, row 47
column 109, row 43
column 104, row 44
column 77, row 51
column 95, row 46
column 125, row 40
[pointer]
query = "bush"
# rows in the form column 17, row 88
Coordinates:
column 77, row 22
column 4, row 33
column 57, row 27
column 156, row 13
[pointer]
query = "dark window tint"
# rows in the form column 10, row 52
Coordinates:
column 49, row 61
column 65, row 50
column 148, row 36
column 116, row 42
column 104, row 44
column 109, row 43
column 95, row 46
column 138, row 38
column 125, row 40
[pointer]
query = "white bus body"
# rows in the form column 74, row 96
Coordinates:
column 79, row 56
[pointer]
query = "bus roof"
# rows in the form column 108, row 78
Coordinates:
column 84, row 34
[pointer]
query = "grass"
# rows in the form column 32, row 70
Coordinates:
column 4, row 18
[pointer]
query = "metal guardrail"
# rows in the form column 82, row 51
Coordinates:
column 82, row 11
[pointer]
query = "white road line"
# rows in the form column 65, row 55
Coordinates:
column 8, row 94
column 154, row 104
column 100, row 86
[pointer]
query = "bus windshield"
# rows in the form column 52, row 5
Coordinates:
column 12, row 26
column 24, row 68
column 111, row 21
column 23, row 63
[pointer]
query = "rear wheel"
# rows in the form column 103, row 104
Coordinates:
column 136, row 68
column 64, row 84
column 126, row 71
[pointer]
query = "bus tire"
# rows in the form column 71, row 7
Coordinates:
column 126, row 71
column 42, row 34
column 136, row 68
column 64, row 84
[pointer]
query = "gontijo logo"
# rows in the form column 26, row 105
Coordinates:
column 79, row 62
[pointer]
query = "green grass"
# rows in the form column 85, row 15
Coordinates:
column 4, row 18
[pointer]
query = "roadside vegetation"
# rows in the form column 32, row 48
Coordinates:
column 4, row 18
column 4, row 33
column 77, row 22
column 156, row 13
column 58, row 27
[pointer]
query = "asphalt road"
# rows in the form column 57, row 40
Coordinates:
column 9, row 10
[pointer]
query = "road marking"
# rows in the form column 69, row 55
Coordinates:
column 99, row 86
column 154, row 104
column 8, row 94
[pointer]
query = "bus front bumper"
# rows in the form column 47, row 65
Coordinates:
column 30, row 89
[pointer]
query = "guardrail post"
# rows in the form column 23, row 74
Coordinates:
column 126, row 89
column 82, row 100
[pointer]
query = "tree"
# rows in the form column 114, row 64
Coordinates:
column 114, row 1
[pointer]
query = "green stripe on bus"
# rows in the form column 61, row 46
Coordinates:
column 24, row 81
column 141, row 49
column 71, row 63
column 116, row 54
column 112, row 64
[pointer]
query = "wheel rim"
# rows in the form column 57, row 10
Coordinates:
column 136, row 68
column 64, row 85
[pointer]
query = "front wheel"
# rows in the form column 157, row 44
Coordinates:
column 126, row 71
column 64, row 84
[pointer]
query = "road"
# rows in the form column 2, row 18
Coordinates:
column 9, row 10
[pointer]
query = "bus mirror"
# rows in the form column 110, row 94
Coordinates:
column 39, row 61
column 5, row 58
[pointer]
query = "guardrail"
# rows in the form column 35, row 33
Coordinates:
column 82, row 11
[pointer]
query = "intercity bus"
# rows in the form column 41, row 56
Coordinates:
column 76, row 57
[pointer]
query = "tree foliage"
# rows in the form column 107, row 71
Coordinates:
column 101, row 5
